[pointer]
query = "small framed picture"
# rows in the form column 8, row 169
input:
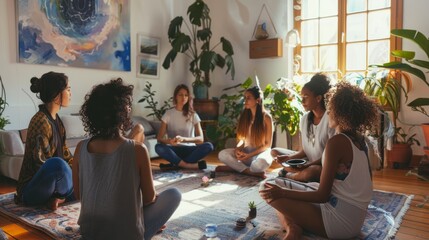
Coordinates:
column 148, row 45
column 147, row 67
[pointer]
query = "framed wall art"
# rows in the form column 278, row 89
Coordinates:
column 147, row 67
column 148, row 45
column 89, row 34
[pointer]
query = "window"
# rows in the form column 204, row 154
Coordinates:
column 345, row 36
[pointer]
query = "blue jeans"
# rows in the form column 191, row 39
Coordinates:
column 53, row 179
column 158, row 213
column 189, row 154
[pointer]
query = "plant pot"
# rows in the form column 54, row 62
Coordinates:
column 201, row 91
column 252, row 213
column 425, row 127
column 207, row 109
column 400, row 155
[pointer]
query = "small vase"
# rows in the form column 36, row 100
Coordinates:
column 261, row 32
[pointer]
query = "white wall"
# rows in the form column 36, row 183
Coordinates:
column 233, row 19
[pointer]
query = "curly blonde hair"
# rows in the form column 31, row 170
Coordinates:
column 351, row 109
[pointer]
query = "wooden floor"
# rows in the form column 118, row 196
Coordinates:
column 415, row 224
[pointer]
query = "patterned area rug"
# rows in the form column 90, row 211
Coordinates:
column 222, row 202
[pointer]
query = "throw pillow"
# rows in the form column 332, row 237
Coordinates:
column 148, row 129
column 73, row 125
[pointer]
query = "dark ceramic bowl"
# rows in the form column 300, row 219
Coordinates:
column 294, row 162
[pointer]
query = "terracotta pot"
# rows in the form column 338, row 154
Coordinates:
column 400, row 155
column 425, row 127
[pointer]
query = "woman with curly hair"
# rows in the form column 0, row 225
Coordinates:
column 112, row 174
column 45, row 176
column 254, row 137
column 337, row 207
column 180, row 138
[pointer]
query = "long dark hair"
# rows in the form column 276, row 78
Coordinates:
column 319, row 85
column 49, row 86
column 188, row 108
column 105, row 109
column 258, row 127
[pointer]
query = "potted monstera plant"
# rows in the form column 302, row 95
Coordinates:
column 194, row 40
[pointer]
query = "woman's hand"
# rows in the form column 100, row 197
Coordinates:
column 271, row 192
column 282, row 158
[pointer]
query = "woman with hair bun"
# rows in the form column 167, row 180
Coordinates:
column 254, row 138
column 314, row 131
column 45, row 176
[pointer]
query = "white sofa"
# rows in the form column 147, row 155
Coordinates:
column 12, row 145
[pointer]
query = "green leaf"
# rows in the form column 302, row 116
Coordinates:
column 227, row 46
column 403, row 54
column 174, row 27
column 420, row 63
column 204, row 35
column 229, row 61
column 419, row 102
column 415, row 36
column 169, row 59
column 196, row 12
column 406, row 68
column 181, row 43
column 208, row 61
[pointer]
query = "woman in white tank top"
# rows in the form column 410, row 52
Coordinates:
column 336, row 208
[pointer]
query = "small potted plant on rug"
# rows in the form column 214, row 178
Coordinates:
column 205, row 181
column 252, row 209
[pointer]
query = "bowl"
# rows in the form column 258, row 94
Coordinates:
column 294, row 162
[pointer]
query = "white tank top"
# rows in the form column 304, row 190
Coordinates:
column 356, row 189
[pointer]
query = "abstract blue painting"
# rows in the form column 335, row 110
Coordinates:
column 75, row 33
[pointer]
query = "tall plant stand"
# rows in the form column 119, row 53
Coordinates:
column 208, row 111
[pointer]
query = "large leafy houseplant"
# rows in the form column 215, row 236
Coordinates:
column 195, row 43
column 284, row 104
column 417, row 67
column 412, row 65
column 3, row 120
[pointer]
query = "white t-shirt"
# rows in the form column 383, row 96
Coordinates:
column 177, row 124
column 322, row 132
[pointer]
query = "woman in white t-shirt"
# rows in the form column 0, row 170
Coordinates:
column 315, row 133
column 184, row 146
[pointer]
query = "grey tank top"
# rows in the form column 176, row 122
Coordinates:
column 111, row 200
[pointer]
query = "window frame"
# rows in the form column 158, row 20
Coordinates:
column 396, row 22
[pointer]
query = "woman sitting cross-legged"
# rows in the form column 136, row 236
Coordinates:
column 184, row 146
column 315, row 132
column 337, row 207
column 45, row 177
column 254, row 137
column 112, row 174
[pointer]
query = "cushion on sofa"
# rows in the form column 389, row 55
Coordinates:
column 11, row 143
column 148, row 128
column 73, row 125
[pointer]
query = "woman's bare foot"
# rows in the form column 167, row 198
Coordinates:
column 55, row 202
column 293, row 232
column 254, row 174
